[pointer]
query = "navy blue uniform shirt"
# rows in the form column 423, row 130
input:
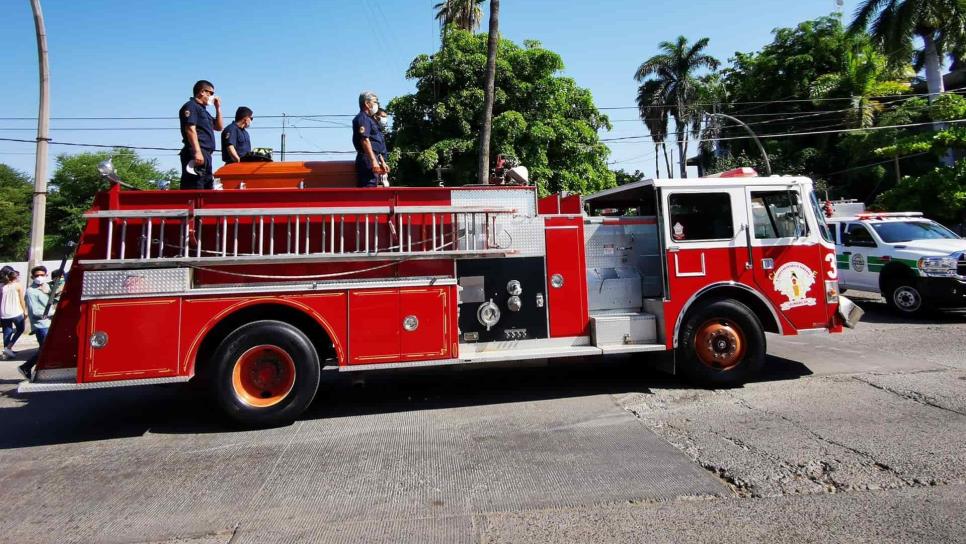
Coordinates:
column 193, row 113
column 236, row 136
column 364, row 127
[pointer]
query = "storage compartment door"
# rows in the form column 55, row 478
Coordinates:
column 141, row 340
column 374, row 326
column 566, row 277
column 424, row 320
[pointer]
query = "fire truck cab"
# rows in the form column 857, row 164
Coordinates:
column 255, row 288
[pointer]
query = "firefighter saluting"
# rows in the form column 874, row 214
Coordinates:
column 369, row 142
column 198, row 135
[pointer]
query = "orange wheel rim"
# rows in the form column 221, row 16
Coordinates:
column 263, row 376
column 720, row 344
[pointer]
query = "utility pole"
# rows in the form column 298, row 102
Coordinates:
column 36, row 252
column 283, row 137
column 493, row 41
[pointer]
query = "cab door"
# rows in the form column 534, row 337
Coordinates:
column 788, row 261
column 857, row 246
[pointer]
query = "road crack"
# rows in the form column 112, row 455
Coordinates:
column 914, row 396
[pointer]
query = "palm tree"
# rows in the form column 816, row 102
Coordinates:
column 675, row 68
column 464, row 14
column 654, row 113
column 894, row 23
column 862, row 77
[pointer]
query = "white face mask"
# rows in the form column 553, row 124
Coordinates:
column 374, row 108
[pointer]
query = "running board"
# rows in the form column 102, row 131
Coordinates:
column 44, row 387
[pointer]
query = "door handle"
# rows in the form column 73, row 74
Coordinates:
column 749, row 265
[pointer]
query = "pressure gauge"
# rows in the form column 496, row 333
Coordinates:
column 514, row 304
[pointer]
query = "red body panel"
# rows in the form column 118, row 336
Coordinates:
column 692, row 270
column 567, row 305
column 376, row 333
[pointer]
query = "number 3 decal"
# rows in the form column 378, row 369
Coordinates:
column 833, row 272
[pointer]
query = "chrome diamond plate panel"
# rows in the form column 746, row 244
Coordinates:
column 523, row 200
column 524, row 235
column 113, row 283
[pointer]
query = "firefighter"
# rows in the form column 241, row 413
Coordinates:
column 369, row 142
column 198, row 135
column 235, row 142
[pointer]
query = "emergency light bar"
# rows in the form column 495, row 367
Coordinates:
column 883, row 215
column 743, row 172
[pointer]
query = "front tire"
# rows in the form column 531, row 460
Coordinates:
column 905, row 298
column 722, row 344
column 265, row 373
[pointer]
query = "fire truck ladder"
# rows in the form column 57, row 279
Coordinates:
column 223, row 236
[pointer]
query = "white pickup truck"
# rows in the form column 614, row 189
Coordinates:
column 915, row 263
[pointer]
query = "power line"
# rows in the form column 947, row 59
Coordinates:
column 113, row 146
column 627, row 139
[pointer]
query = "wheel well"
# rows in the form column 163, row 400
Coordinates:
column 893, row 271
column 310, row 327
column 755, row 304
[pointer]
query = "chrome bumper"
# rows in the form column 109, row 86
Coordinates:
column 849, row 312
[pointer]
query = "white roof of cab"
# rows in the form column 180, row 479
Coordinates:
column 626, row 192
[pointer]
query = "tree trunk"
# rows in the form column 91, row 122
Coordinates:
column 667, row 160
column 934, row 84
column 493, row 41
column 934, row 76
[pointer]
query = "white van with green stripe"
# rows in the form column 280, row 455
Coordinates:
column 915, row 263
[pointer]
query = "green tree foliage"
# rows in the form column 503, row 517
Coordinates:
column 852, row 85
column 940, row 24
column 76, row 180
column 544, row 120
column 939, row 194
column 16, row 190
column 860, row 78
column 624, row 177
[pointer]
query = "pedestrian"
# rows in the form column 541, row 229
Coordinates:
column 235, row 142
column 198, row 135
column 13, row 312
column 368, row 142
column 37, row 298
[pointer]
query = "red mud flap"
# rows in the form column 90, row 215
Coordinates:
column 65, row 379
column 849, row 312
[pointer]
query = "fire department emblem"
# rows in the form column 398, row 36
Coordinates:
column 794, row 280
column 858, row 262
column 186, row 112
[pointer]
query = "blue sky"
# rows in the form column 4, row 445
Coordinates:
column 139, row 59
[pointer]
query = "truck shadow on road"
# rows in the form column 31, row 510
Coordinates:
column 70, row 417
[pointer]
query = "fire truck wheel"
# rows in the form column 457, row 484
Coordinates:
column 265, row 373
column 722, row 344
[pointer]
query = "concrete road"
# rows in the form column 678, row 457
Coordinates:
column 853, row 437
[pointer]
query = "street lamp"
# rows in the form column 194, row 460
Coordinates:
column 36, row 252
column 753, row 137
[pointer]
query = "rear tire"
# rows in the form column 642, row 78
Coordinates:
column 265, row 373
column 722, row 344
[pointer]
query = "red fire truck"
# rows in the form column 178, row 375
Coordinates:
column 253, row 289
